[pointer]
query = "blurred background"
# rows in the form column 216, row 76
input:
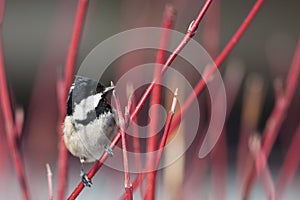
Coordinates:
column 36, row 36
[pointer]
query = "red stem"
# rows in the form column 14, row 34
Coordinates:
column 150, row 194
column 211, row 42
column 10, row 126
column 167, row 130
column 69, row 71
column 277, row 116
column 190, row 33
column 168, row 22
column 261, row 165
column 218, row 61
column 136, row 143
column 124, row 148
column 136, row 149
column 290, row 165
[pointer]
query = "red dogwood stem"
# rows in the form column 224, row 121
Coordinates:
column 218, row 61
column 124, row 148
column 150, row 194
column 168, row 22
column 62, row 96
column 188, row 36
column 277, row 116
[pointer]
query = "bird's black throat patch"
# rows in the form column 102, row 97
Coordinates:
column 102, row 107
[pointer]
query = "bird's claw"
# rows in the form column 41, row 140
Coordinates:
column 109, row 150
column 85, row 180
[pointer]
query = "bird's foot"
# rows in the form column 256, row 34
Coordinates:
column 85, row 180
column 108, row 150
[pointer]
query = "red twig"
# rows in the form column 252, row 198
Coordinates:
column 124, row 148
column 62, row 96
column 168, row 22
column 167, row 129
column 290, row 165
column 11, row 128
column 261, row 166
column 136, row 144
column 150, row 194
column 190, row 33
column 50, row 185
column 277, row 116
column 218, row 61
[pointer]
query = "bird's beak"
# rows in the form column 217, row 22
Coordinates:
column 107, row 89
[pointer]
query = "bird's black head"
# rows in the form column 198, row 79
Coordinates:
column 90, row 95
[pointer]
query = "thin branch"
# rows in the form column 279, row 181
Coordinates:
column 124, row 148
column 261, row 166
column 277, row 116
column 168, row 22
column 149, row 193
column 167, row 129
column 11, row 128
column 290, row 165
column 136, row 143
column 188, row 36
column 218, row 61
column 140, row 176
column 69, row 71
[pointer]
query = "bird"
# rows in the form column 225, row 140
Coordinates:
column 90, row 122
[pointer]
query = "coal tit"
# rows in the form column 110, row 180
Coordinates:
column 90, row 122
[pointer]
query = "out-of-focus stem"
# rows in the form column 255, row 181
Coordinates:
column 149, row 193
column 11, row 128
column 260, row 163
column 218, row 61
column 283, row 100
column 290, row 165
column 190, row 33
column 49, row 178
column 168, row 22
column 62, row 96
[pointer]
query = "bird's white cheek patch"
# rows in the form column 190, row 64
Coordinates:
column 97, row 98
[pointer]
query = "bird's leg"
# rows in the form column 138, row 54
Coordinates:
column 84, row 178
column 108, row 150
